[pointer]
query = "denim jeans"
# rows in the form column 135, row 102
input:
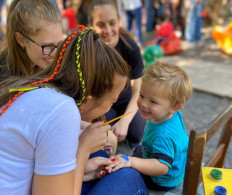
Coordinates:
column 126, row 181
column 136, row 15
column 194, row 23
column 150, row 13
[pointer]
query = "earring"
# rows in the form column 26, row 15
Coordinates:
column 23, row 48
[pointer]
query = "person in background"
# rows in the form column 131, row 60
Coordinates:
column 175, row 9
column 82, row 12
column 166, row 36
column 33, row 33
column 165, row 27
column 194, row 23
column 153, row 9
column 58, row 4
column 150, row 15
column 70, row 16
column 2, row 27
column 103, row 16
column 162, row 156
column 133, row 10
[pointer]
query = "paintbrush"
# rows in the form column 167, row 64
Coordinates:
column 106, row 123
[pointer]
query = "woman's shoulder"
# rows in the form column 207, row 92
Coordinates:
column 48, row 97
column 127, row 47
column 129, row 40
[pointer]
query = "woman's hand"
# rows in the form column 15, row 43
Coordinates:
column 95, row 168
column 94, row 137
column 120, row 129
column 119, row 161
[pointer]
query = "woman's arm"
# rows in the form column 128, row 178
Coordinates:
column 53, row 184
column 82, row 158
column 121, row 127
column 92, row 139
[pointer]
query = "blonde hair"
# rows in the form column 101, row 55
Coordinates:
column 23, row 17
column 174, row 79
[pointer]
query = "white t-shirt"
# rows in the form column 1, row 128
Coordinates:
column 38, row 134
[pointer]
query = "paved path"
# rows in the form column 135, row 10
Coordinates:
column 209, row 68
column 210, row 77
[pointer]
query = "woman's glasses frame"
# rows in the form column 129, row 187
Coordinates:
column 44, row 50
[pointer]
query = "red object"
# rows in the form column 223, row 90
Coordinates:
column 204, row 13
column 102, row 173
column 171, row 44
column 71, row 17
column 165, row 30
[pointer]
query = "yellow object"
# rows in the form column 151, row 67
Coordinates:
column 223, row 37
column 106, row 123
column 210, row 184
column 23, row 89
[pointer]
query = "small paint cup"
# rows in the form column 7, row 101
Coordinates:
column 216, row 174
column 220, row 190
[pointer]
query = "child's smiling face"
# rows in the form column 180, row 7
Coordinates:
column 153, row 102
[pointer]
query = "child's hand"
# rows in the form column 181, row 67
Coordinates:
column 120, row 129
column 121, row 161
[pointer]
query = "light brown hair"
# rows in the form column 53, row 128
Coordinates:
column 23, row 17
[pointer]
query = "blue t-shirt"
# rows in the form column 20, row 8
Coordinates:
column 168, row 142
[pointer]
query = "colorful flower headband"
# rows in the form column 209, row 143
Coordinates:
column 30, row 86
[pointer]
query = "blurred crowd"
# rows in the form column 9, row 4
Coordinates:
column 182, row 17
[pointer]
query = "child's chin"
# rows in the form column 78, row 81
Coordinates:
column 145, row 117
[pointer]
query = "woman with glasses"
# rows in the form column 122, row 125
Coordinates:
column 34, row 30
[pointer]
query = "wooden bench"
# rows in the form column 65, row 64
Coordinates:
column 197, row 141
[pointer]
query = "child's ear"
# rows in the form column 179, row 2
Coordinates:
column 175, row 108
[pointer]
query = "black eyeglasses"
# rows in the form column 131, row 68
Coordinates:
column 46, row 49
